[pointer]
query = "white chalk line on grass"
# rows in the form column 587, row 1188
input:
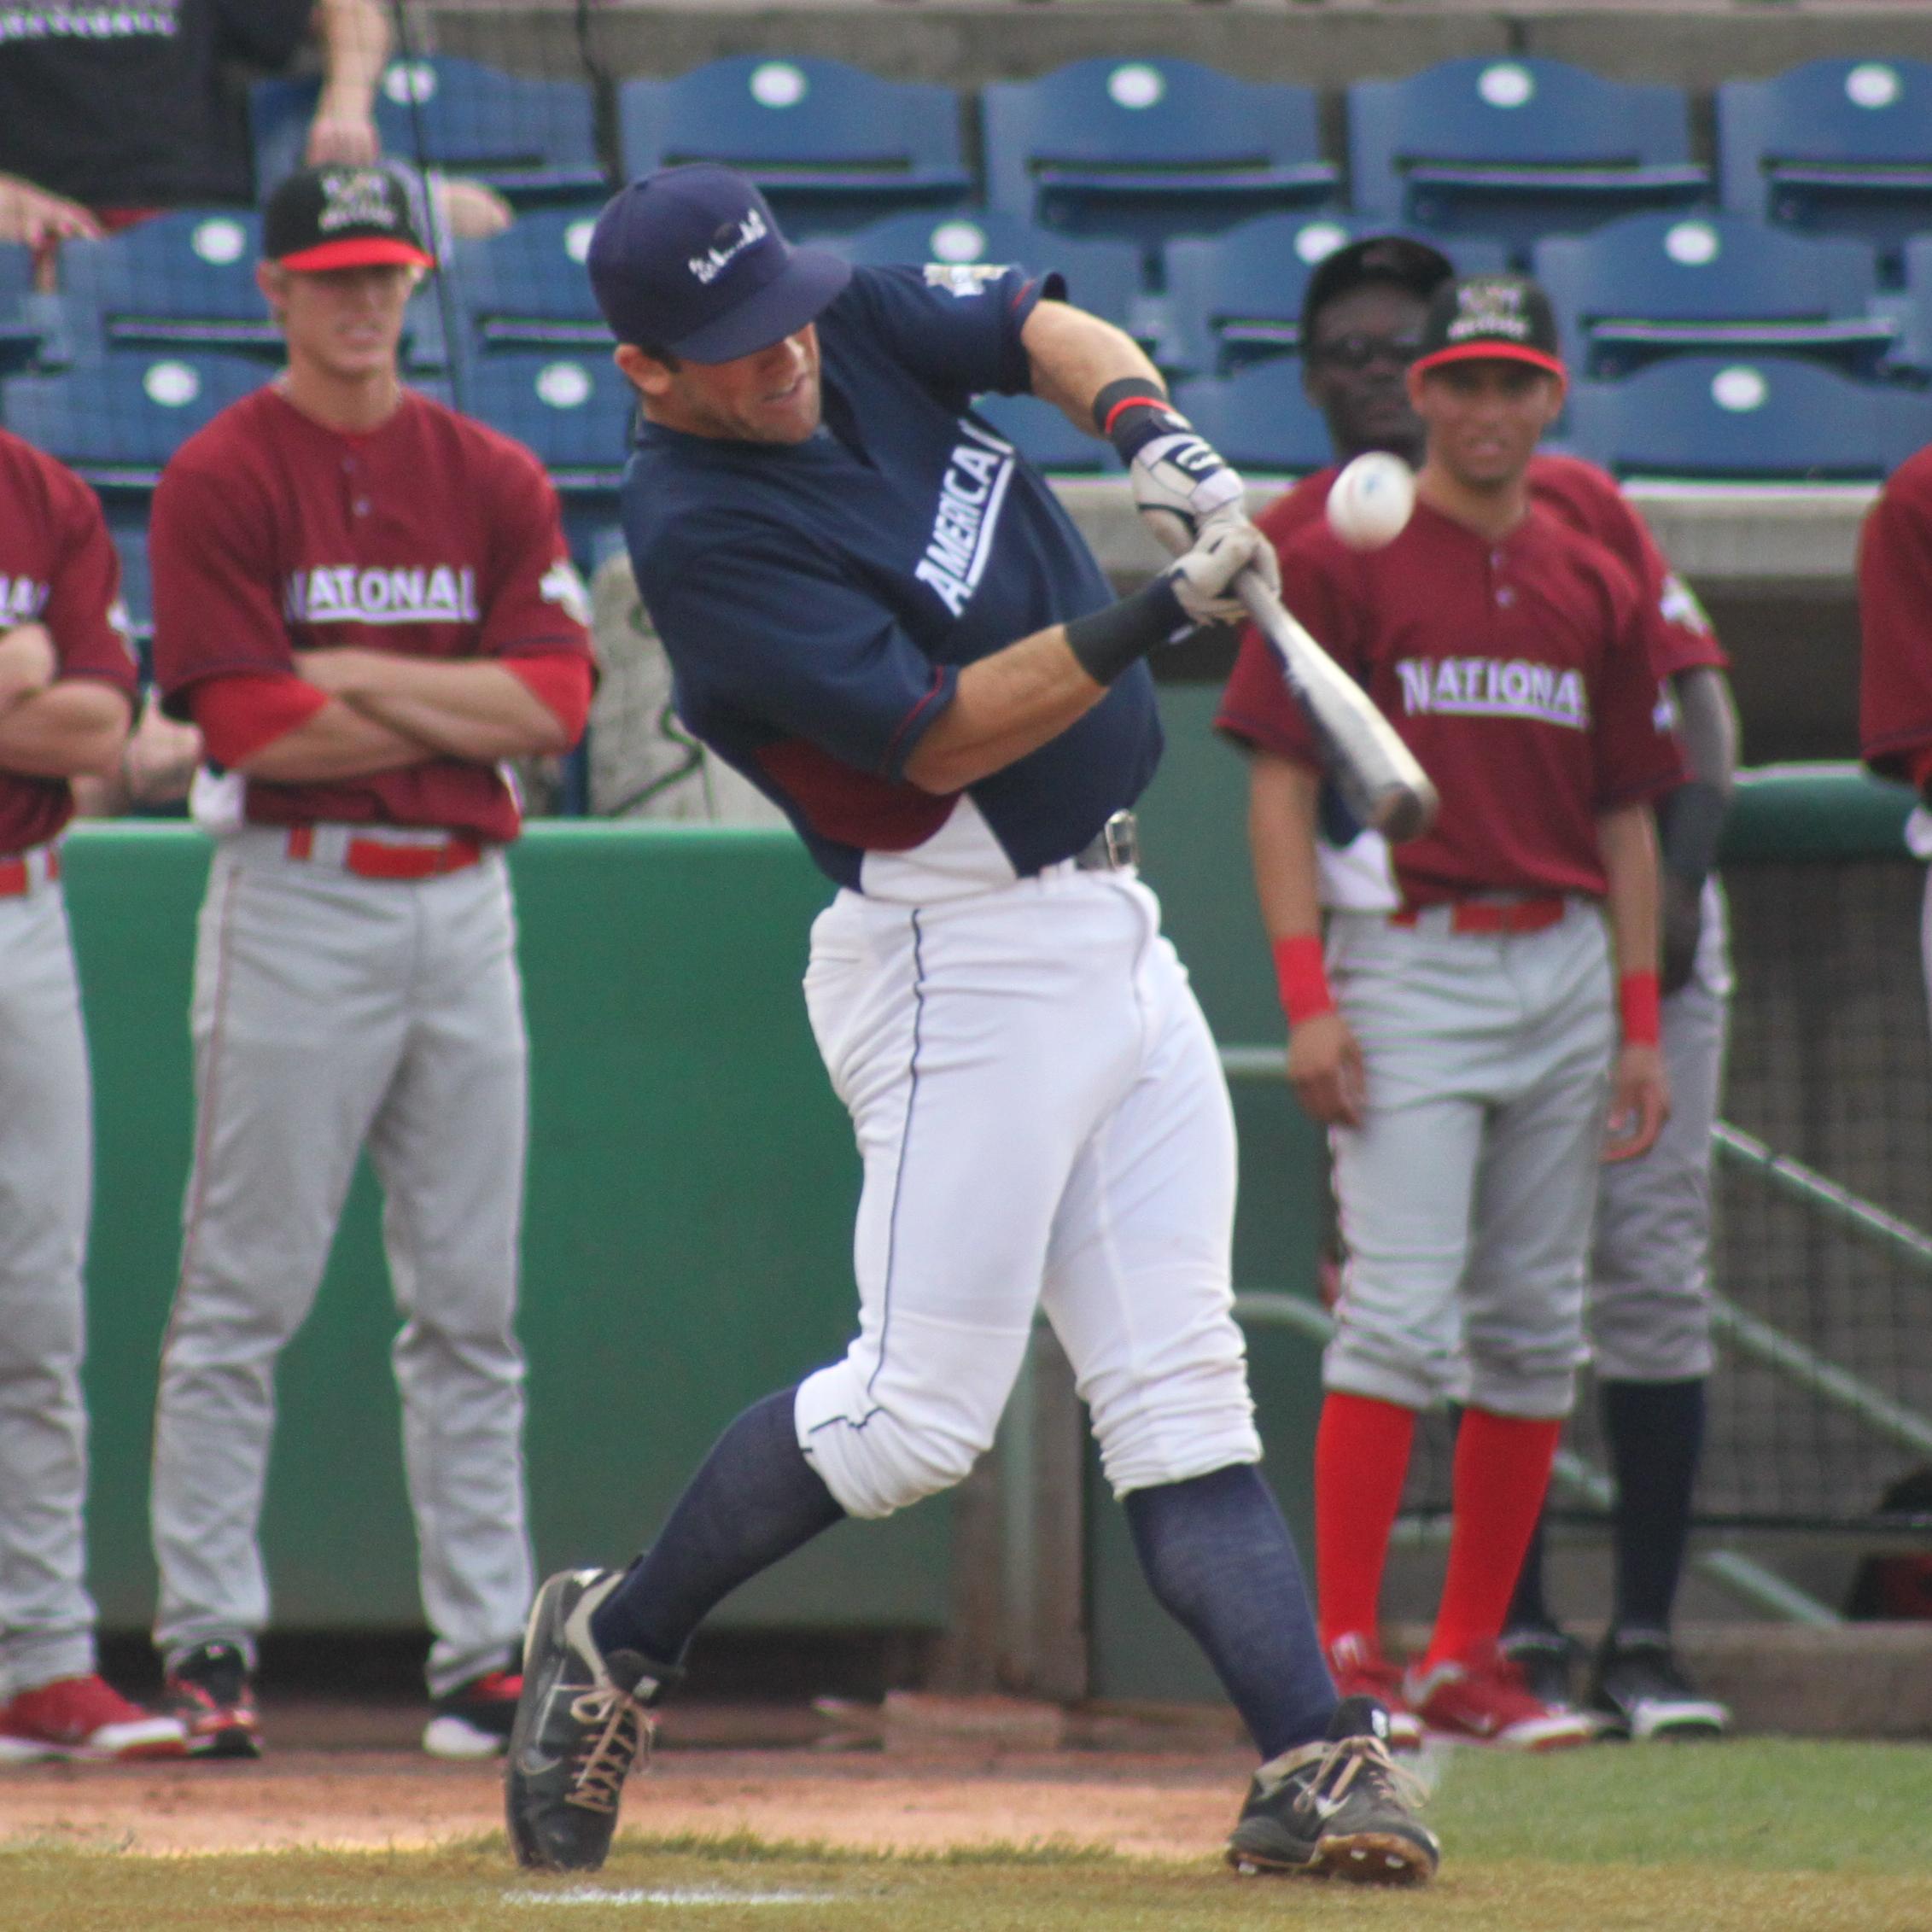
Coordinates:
column 682, row 1895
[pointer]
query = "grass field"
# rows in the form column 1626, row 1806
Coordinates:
column 1747, row 1837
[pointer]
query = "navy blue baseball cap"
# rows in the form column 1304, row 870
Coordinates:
column 691, row 259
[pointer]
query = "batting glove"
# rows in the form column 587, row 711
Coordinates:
column 1202, row 579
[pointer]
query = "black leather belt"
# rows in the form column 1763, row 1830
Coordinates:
column 1113, row 848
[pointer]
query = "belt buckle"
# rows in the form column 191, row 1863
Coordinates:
column 1120, row 839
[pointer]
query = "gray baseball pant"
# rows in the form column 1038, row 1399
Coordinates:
column 1467, row 1194
column 332, row 1011
column 46, row 1173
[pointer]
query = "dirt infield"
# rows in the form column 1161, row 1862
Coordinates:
column 366, row 1786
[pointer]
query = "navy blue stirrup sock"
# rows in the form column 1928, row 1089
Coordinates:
column 1220, row 1560
column 755, row 1499
column 1529, row 1609
column 1657, row 1433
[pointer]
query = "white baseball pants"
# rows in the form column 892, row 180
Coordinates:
column 1466, row 1196
column 46, row 1173
column 1044, row 1122
column 332, row 1011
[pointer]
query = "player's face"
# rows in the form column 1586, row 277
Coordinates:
column 345, row 321
column 771, row 397
column 1355, row 369
column 1483, row 418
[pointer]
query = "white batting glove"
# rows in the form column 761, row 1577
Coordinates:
column 1202, row 577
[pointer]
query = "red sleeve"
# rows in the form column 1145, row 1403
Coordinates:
column 1637, row 753
column 1895, row 616
column 85, row 614
column 239, row 713
column 562, row 682
column 1256, row 709
column 537, row 602
column 211, row 557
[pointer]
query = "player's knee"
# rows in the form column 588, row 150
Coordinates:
column 1170, row 1432
column 882, row 1466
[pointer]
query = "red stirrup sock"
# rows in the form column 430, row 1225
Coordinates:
column 1501, row 1470
column 1361, row 1459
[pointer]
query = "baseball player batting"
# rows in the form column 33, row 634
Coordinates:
column 365, row 602
column 1651, row 1277
column 1459, row 1032
column 877, row 611
column 66, row 685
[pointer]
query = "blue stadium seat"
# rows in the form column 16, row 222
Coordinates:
column 117, row 419
column 1102, row 276
column 1042, row 432
column 130, row 534
column 1840, row 145
column 1770, row 419
column 832, row 146
column 1913, row 309
column 527, row 286
column 1145, row 149
column 1655, row 284
column 1259, row 418
column 531, row 140
column 1517, row 148
column 1236, row 298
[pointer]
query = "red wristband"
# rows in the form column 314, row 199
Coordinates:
column 1636, row 993
column 1302, row 978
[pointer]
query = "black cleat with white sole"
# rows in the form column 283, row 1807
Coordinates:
column 582, row 1727
column 1638, row 1691
column 1338, row 1808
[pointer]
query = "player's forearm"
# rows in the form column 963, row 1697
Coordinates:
column 1003, row 707
column 28, row 663
column 1707, row 725
column 354, row 36
column 472, row 708
column 1282, row 807
column 337, row 742
column 1074, row 355
column 73, row 729
column 1628, row 840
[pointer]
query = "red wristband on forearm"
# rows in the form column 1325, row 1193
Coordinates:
column 1637, row 994
column 1302, row 978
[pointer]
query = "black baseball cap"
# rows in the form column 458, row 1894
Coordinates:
column 1400, row 258
column 342, row 218
column 1489, row 319
column 691, row 259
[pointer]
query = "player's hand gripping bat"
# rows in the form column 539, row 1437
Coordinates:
column 1376, row 774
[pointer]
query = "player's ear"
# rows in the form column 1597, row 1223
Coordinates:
column 645, row 372
column 272, row 279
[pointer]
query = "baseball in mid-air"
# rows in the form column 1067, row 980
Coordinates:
column 1371, row 501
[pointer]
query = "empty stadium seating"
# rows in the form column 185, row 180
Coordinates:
column 185, row 278
column 531, row 140
column 1142, row 149
column 1843, row 145
column 1654, row 284
column 1769, row 419
column 831, row 145
column 1259, row 418
column 528, row 285
column 1236, row 298
column 1517, row 148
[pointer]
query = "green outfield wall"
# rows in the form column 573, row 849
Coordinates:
column 691, row 1189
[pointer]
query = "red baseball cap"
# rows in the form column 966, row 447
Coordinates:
column 342, row 218
column 1489, row 319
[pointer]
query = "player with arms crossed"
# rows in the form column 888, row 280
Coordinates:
column 364, row 601
column 66, row 686
column 877, row 611
column 1650, row 1258
column 1459, row 1037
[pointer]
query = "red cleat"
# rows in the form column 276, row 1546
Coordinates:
column 83, row 1717
column 1481, row 1698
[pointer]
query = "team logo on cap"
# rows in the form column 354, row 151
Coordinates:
column 731, row 241
column 1487, row 309
column 360, row 199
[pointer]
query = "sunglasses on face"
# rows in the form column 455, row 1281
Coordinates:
column 1358, row 352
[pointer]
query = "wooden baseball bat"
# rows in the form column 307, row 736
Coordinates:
column 1376, row 774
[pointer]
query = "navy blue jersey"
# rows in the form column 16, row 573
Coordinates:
column 817, row 599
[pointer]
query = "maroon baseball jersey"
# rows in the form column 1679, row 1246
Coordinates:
column 1895, row 615
column 1516, row 670
column 57, row 569
column 1676, row 628
column 431, row 536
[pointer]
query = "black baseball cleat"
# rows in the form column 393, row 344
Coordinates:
column 473, row 1719
column 1546, row 1658
column 212, row 1692
column 1638, row 1689
column 582, row 1727
column 1338, row 1808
